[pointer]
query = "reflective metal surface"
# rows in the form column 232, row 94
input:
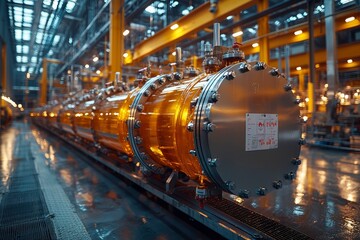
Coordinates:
column 324, row 201
column 249, row 130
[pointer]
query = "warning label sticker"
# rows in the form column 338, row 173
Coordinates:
column 261, row 131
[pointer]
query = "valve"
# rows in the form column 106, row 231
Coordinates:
column 201, row 195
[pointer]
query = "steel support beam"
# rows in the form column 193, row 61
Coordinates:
column 263, row 31
column 117, row 18
column 43, row 83
column 198, row 19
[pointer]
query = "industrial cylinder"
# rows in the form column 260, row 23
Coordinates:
column 110, row 113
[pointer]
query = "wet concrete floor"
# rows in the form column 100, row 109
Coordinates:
column 323, row 202
column 108, row 207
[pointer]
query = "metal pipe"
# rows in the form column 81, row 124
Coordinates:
column 117, row 79
column 216, row 39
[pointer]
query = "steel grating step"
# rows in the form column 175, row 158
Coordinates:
column 24, row 183
column 18, row 207
column 38, row 229
column 261, row 223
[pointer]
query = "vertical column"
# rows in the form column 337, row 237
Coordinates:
column 117, row 19
column 301, row 82
column 3, row 68
column 331, row 49
column 263, row 31
column 311, row 93
column 331, row 60
column 43, row 86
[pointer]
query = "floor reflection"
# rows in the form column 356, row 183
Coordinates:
column 108, row 210
column 323, row 201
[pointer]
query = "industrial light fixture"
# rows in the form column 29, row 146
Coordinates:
column 349, row 60
column 125, row 55
column 298, row 68
column 98, row 71
column 237, row 34
column 126, row 32
column 350, row 19
column 175, row 26
column 298, row 32
column 27, row 75
column 87, row 66
column 254, row 45
column 95, row 59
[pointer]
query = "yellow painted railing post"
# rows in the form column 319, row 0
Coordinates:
column 263, row 31
column 116, row 37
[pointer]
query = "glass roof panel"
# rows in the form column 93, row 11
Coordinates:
column 39, row 37
column 25, row 49
column 70, row 6
column 56, row 40
column 26, row 35
column 18, row 34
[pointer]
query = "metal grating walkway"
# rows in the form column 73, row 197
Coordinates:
column 268, row 226
column 23, row 210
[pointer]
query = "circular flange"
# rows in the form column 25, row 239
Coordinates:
column 246, row 140
column 134, row 123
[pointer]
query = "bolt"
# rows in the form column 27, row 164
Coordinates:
column 230, row 185
column 190, row 126
column 261, row 191
column 244, row 67
column 274, row 72
column 296, row 161
column 214, row 97
column 302, row 141
column 244, row 193
column 229, row 75
column 297, row 101
column 209, row 127
column 137, row 124
column 212, row 161
column 290, row 176
column 153, row 86
column 140, row 107
column 193, row 152
column 161, row 80
column 168, row 77
column 147, row 93
column 303, row 119
column 260, row 66
column 138, row 140
column 177, row 76
column 288, row 87
column 277, row 184
column 194, row 102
